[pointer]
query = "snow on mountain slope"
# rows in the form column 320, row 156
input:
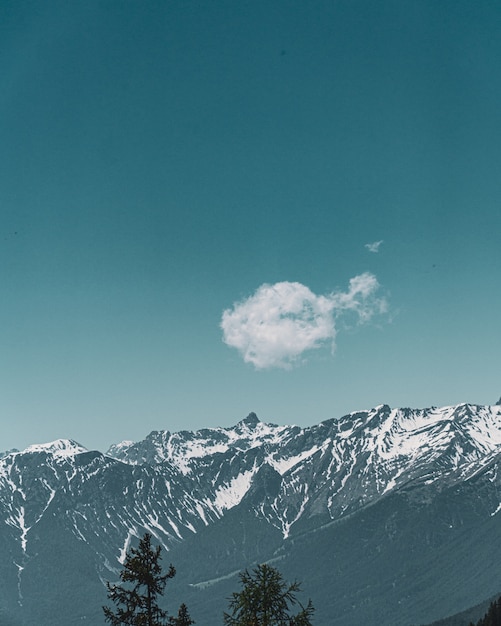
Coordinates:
column 332, row 468
column 186, row 486
column 58, row 448
column 176, row 483
column 180, row 448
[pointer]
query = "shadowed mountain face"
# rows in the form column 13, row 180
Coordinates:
column 388, row 516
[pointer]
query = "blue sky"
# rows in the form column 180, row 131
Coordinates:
column 163, row 163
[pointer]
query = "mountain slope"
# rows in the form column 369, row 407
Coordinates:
column 377, row 506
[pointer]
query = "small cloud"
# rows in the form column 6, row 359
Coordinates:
column 361, row 298
column 279, row 323
column 374, row 246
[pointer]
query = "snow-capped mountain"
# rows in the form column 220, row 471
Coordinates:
column 355, row 488
column 348, row 462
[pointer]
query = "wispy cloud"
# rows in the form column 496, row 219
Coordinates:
column 279, row 323
column 374, row 246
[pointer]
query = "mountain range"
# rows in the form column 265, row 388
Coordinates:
column 388, row 516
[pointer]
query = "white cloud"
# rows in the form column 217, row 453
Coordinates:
column 279, row 323
column 374, row 246
column 361, row 298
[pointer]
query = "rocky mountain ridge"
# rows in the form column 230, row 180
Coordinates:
column 196, row 491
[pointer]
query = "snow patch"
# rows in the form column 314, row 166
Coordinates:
column 125, row 548
column 60, row 448
column 497, row 510
column 284, row 464
column 230, row 494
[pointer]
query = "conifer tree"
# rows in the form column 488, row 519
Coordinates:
column 183, row 617
column 266, row 600
column 493, row 615
column 138, row 605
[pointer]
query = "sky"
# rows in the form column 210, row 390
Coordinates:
column 213, row 208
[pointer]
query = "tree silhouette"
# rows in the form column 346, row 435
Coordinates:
column 266, row 600
column 183, row 617
column 493, row 615
column 138, row 605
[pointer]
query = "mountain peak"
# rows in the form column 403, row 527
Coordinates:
column 251, row 420
column 59, row 447
column 7, row 452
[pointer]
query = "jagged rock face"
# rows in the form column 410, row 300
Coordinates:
column 220, row 499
